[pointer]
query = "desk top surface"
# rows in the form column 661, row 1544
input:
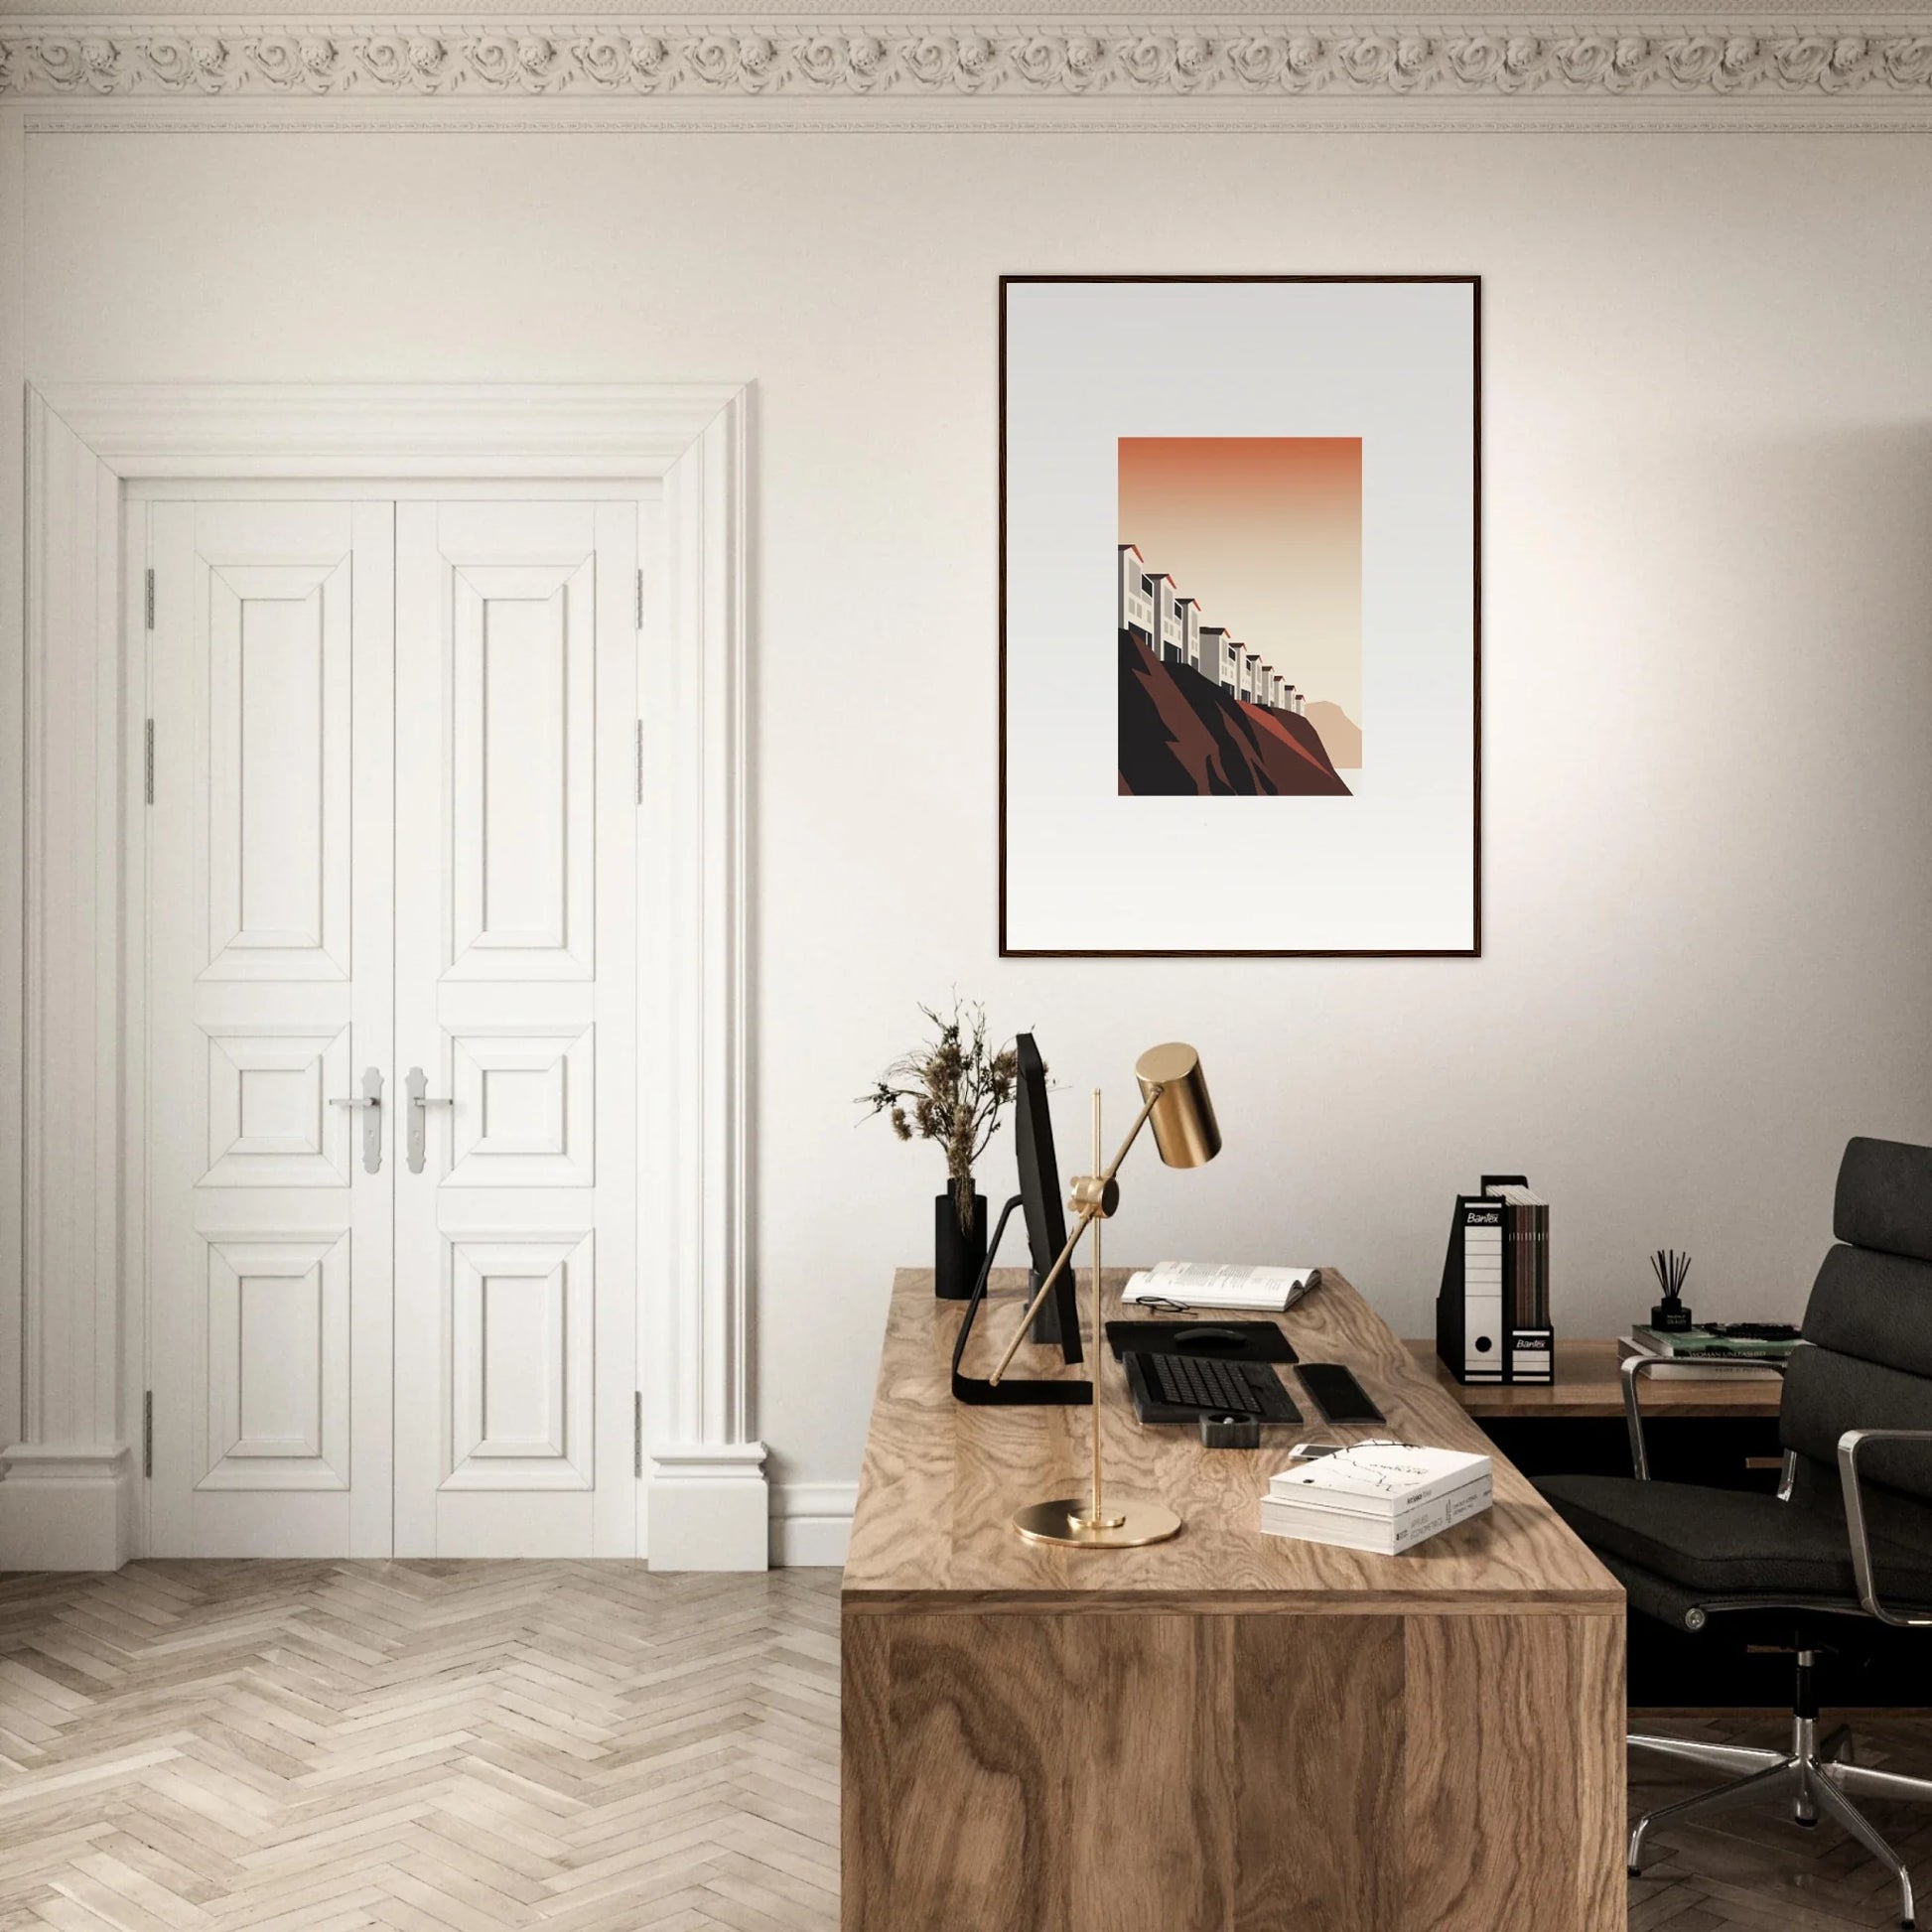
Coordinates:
column 1587, row 1385
column 941, row 1480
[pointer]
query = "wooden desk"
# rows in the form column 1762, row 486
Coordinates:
column 1587, row 1386
column 1228, row 1732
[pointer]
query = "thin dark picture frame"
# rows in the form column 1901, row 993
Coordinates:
column 1471, row 951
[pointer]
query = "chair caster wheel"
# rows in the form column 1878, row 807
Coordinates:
column 1634, row 1871
column 1810, row 1824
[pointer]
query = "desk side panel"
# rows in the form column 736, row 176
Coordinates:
column 1514, row 1773
column 1318, row 1746
column 955, row 1777
column 864, row 1774
column 1140, row 1772
column 1146, row 1719
column 1038, row 1774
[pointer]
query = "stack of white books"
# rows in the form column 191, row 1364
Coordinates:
column 1219, row 1285
column 1381, row 1497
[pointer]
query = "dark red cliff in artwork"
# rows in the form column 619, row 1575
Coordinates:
column 1179, row 734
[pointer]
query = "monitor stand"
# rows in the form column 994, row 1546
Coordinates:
column 1012, row 1390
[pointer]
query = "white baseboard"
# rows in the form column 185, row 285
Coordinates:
column 67, row 1506
column 709, row 1506
column 811, row 1522
column 710, row 1509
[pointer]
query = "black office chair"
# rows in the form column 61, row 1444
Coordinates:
column 1848, row 1535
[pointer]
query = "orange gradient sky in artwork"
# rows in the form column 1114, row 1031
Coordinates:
column 1265, row 533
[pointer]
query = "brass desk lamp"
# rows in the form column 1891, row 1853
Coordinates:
column 1174, row 1100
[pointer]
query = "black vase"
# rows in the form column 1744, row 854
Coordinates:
column 957, row 1255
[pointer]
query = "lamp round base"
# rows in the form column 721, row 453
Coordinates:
column 1064, row 1521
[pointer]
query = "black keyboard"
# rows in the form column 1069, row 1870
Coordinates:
column 1187, row 1386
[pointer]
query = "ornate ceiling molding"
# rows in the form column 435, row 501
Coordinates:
column 1885, row 72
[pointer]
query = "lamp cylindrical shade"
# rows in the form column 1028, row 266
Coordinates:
column 1184, row 1128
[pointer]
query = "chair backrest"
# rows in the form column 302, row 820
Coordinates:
column 1870, row 1326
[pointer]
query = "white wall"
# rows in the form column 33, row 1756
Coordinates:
column 1707, row 641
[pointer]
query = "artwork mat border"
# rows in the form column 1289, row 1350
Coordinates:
column 1474, row 948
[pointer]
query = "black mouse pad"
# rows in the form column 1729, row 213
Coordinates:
column 1222, row 1341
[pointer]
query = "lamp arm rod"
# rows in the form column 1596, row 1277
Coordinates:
column 1088, row 1216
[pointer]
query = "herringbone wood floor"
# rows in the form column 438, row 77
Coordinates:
column 458, row 1747
column 432, row 1747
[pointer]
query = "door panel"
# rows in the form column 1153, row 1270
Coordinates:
column 270, row 991
column 521, row 1362
column 522, row 703
column 269, row 1119
column 278, row 1313
column 279, row 689
column 515, row 1247
column 525, row 1107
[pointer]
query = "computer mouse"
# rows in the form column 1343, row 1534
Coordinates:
column 1208, row 1337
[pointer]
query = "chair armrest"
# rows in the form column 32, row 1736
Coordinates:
column 1634, row 1367
column 1849, row 1445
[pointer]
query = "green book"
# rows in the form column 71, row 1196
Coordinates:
column 1700, row 1342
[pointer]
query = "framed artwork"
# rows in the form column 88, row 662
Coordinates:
column 1240, row 615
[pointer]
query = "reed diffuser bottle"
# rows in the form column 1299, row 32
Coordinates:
column 1670, row 1314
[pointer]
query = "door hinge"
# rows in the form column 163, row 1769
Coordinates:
column 148, row 761
column 640, row 598
column 147, row 1433
column 150, row 598
column 638, row 1434
column 640, row 760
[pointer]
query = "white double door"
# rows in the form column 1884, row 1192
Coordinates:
column 391, row 859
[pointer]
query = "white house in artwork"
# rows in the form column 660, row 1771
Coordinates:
column 1217, row 656
column 1189, row 614
column 1135, row 599
column 1166, row 627
column 1153, row 610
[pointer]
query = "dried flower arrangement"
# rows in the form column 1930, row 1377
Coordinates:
column 951, row 1090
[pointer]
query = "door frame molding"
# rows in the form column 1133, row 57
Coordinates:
column 73, row 1342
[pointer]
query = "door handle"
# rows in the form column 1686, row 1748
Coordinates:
column 370, row 1098
column 420, row 1102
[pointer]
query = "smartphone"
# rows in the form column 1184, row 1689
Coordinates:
column 1336, row 1393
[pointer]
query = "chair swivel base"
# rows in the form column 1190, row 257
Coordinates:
column 1816, row 1777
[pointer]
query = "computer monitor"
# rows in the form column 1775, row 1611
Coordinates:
column 1038, row 1199
column 1040, row 1194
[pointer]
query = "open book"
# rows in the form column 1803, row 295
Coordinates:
column 1214, row 1285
